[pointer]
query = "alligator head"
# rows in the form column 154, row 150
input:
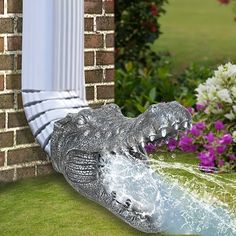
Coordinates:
column 80, row 141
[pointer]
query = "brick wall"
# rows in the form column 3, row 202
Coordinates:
column 20, row 155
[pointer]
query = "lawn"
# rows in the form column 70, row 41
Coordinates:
column 49, row 206
column 198, row 31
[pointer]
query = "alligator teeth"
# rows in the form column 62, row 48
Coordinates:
column 163, row 133
column 176, row 126
column 185, row 124
column 152, row 138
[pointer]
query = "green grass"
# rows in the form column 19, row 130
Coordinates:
column 49, row 206
column 198, row 31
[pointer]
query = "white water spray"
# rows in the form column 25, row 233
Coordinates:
column 173, row 206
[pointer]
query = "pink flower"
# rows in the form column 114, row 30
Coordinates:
column 220, row 149
column 172, row 144
column 200, row 107
column 219, row 125
column 153, row 9
column 150, row 147
column 195, row 131
column 232, row 157
column 221, row 163
column 210, row 137
column 200, row 125
column 186, row 144
column 207, row 160
column 226, row 139
column 191, row 110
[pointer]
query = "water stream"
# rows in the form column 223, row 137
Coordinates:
column 176, row 204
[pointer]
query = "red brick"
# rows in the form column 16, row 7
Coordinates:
column 45, row 169
column 89, row 58
column 110, row 40
column 109, row 75
column 93, row 7
column 6, row 25
column 1, row 44
column 14, row 6
column 7, row 175
column 109, row 6
column 1, row 6
column 25, row 172
column 19, row 25
column 25, row 155
column 2, row 120
column 105, row 58
column 24, row 136
column 105, row 23
column 6, row 101
column 2, row 158
column 14, row 43
column 18, row 62
column 1, row 82
column 6, row 139
column 93, row 41
column 19, row 101
column 90, row 93
column 105, row 91
column 6, row 62
column 88, row 24
column 93, row 76
column 16, row 119
column 13, row 81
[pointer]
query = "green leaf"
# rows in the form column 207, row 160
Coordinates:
column 152, row 94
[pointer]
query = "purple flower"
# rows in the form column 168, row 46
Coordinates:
column 220, row 149
column 150, row 147
column 186, row 144
column 226, row 139
column 210, row 137
column 200, row 107
column 221, row 163
column 219, row 125
column 207, row 160
column 172, row 144
column 191, row 110
column 232, row 157
column 200, row 125
column 195, row 131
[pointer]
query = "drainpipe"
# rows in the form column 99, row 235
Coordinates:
column 52, row 64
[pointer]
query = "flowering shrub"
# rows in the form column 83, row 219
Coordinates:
column 213, row 134
column 216, row 98
column 136, row 26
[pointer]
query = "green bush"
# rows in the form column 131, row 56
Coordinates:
column 140, row 85
column 189, row 80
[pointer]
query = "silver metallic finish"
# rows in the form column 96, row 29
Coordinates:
column 77, row 150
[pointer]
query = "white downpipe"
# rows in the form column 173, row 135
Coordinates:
column 52, row 63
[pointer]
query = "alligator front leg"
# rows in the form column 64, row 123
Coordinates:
column 84, row 172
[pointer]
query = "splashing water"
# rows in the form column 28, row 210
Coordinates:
column 175, row 208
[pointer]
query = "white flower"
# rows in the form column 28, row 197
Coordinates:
column 234, row 136
column 224, row 96
column 230, row 115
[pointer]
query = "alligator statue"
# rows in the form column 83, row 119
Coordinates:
column 79, row 142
